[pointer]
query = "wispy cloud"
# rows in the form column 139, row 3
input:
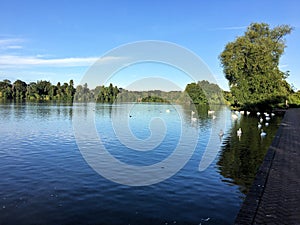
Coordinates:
column 25, row 61
column 11, row 43
column 281, row 66
column 230, row 28
column 14, row 47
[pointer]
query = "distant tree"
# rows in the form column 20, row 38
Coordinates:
column 19, row 89
column 6, row 89
column 196, row 94
column 212, row 92
column 250, row 64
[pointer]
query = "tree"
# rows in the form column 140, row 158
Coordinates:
column 6, row 89
column 19, row 89
column 196, row 93
column 250, row 64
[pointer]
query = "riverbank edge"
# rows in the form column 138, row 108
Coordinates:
column 250, row 205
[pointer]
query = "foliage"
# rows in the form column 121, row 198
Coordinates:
column 40, row 90
column 196, row 94
column 107, row 94
column 153, row 99
column 294, row 99
column 213, row 92
column 250, row 64
column 44, row 90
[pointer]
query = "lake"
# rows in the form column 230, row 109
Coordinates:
column 45, row 178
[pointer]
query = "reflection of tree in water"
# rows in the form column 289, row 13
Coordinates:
column 240, row 158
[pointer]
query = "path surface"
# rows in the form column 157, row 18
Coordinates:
column 274, row 197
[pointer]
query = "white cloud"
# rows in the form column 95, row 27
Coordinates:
column 231, row 28
column 24, row 61
column 11, row 43
column 14, row 46
column 283, row 66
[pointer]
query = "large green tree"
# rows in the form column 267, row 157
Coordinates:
column 251, row 65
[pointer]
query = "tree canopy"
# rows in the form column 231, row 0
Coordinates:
column 251, row 65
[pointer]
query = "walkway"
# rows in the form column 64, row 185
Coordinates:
column 274, row 197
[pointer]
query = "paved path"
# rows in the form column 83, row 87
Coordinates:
column 274, row 197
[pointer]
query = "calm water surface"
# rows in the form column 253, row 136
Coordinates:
column 45, row 180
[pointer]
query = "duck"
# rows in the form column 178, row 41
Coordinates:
column 168, row 110
column 210, row 111
column 263, row 134
column 267, row 124
column 258, row 113
column 214, row 117
column 248, row 113
column 261, row 120
column 267, row 118
column 272, row 114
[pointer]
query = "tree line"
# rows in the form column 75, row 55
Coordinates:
column 40, row 90
column 202, row 92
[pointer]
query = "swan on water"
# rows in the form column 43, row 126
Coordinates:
column 239, row 132
column 262, row 134
column 221, row 133
column 234, row 116
column 259, row 125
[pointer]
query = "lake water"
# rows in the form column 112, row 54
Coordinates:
column 45, row 179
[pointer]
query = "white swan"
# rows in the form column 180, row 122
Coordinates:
column 234, row 116
column 210, row 111
column 239, row 132
column 259, row 125
column 221, row 133
column 263, row 134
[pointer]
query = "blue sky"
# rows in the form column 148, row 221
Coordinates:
column 60, row 40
